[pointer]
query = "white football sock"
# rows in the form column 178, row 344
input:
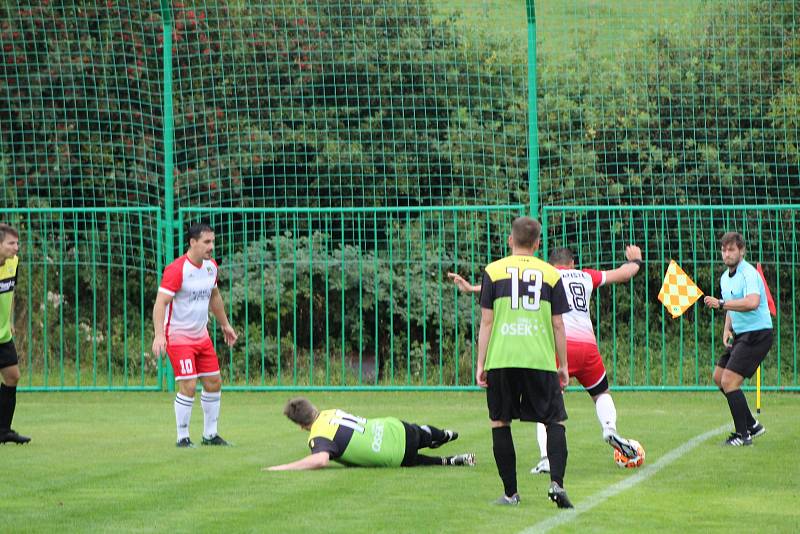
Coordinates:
column 183, row 413
column 606, row 413
column 210, row 404
column 541, row 437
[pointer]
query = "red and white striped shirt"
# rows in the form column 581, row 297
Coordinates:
column 190, row 287
column 578, row 285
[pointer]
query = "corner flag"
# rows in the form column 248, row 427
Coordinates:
column 770, row 302
column 678, row 292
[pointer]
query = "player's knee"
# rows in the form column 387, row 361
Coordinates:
column 498, row 424
column 212, row 384
column 717, row 378
column 187, row 387
column 11, row 376
column 730, row 382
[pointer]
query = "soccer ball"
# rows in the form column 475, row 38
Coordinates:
column 630, row 463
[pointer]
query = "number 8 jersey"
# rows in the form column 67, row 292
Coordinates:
column 579, row 285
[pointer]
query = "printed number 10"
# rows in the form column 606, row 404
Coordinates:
column 186, row 367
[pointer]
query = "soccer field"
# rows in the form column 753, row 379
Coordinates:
column 107, row 462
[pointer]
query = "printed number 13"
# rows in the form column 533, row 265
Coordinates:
column 530, row 301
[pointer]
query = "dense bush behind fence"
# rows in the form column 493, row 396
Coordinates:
column 373, row 136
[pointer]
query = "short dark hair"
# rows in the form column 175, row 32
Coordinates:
column 561, row 256
column 6, row 229
column 525, row 231
column 734, row 238
column 300, row 410
column 198, row 228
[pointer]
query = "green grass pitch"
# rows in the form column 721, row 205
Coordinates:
column 107, row 462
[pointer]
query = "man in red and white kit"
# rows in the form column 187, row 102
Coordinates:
column 583, row 355
column 188, row 290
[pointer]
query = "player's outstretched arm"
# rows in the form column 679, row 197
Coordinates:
column 218, row 309
column 317, row 460
column 628, row 270
column 159, row 312
column 462, row 284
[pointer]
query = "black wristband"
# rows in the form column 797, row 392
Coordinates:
column 640, row 263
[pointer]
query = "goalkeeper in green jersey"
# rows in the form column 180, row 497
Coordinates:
column 9, row 362
column 355, row 441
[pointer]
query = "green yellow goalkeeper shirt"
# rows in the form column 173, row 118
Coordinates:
column 355, row 441
column 8, row 279
column 524, row 293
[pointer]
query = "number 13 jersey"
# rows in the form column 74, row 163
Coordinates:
column 524, row 294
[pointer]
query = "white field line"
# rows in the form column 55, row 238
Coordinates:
column 646, row 472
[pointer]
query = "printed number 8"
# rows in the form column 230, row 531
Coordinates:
column 578, row 296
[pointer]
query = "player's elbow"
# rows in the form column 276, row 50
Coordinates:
column 752, row 302
column 321, row 460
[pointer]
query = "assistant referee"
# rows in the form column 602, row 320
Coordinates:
column 747, row 335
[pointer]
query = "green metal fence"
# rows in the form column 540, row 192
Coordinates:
column 372, row 130
column 643, row 346
column 352, row 298
column 357, row 299
column 83, row 298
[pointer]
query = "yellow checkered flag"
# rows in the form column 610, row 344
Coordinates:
column 679, row 291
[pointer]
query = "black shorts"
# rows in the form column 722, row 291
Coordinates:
column 747, row 352
column 416, row 439
column 8, row 354
column 525, row 394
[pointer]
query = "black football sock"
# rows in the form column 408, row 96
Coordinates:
column 751, row 421
column 430, row 434
column 506, row 458
column 557, row 452
column 739, row 409
column 8, row 402
column 430, row 460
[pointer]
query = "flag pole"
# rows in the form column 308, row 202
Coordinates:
column 758, row 391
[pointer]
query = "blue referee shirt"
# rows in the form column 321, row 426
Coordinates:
column 746, row 281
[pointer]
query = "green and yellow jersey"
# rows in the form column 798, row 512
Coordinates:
column 352, row 440
column 8, row 280
column 524, row 293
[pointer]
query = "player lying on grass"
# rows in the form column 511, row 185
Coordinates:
column 355, row 441
column 585, row 363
